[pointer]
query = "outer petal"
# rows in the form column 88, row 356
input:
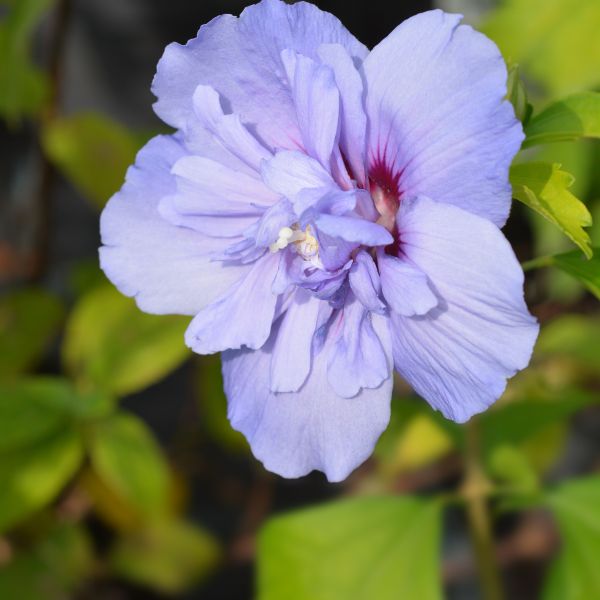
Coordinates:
column 241, row 59
column 167, row 269
column 291, row 357
column 437, row 114
column 353, row 117
column 313, row 428
column 459, row 355
column 405, row 287
column 358, row 359
column 241, row 317
column 317, row 102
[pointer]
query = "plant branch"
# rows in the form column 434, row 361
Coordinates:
column 475, row 491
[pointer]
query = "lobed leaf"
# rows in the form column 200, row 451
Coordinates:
column 356, row 549
column 545, row 188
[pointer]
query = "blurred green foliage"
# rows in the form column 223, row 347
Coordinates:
column 70, row 455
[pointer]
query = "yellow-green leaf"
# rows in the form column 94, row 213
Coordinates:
column 575, row 575
column 92, row 151
column 358, row 549
column 570, row 119
column 112, row 345
column 33, row 476
column 127, row 458
column 555, row 41
column 29, row 319
column 545, row 188
column 168, row 555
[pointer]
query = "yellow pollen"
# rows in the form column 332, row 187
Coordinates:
column 305, row 243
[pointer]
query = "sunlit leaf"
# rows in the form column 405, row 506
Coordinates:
column 23, row 85
column 29, row 319
column 556, row 41
column 575, row 575
column 545, row 188
column 375, row 547
column 168, row 556
column 32, row 476
column 570, row 119
column 112, row 345
column 92, row 151
column 52, row 569
column 421, row 442
column 127, row 458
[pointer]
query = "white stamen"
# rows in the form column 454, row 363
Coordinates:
column 305, row 244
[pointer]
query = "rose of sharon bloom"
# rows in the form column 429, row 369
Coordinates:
column 328, row 214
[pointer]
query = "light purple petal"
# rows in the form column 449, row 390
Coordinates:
column 219, row 227
column 240, row 58
column 459, row 356
column 167, row 269
column 242, row 317
column 289, row 173
column 358, row 359
column 291, row 356
column 211, row 188
column 317, row 102
column 405, row 287
column 437, row 114
column 227, row 128
column 365, row 283
column 354, row 229
column 353, row 117
column 313, row 428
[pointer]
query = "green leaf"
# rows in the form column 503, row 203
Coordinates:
column 556, row 42
column 510, row 465
column 575, row 575
column 29, row 319
column 168, row 556
column 545, row 188
column 112, row 345
column 52, row 569
column 35, row 408
column 570, row 119
column 33, row 476
column 92, row 151
column 585, row 271
column 127, row 458
column 212, row 405
column 517, row 95
column 24, row 87
column 358, row 549
column 572, row 336
column 514, row 423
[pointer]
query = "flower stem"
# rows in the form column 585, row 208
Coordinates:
column 537, row 263
column 476, row 489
